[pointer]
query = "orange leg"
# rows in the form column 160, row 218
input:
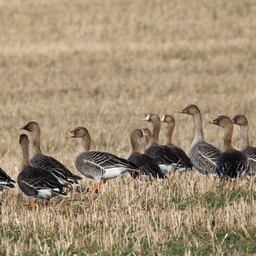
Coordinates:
column 96, row 188
column 103, row 186
column 47, row 205
column 31, row 205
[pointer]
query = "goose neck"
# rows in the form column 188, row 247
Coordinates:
column 228, row 132
column 135, row 144
column 169, row 132
column 35, row 145
column 244, row 142
column 25, row 156
column 86, row 143
column 198, row 129
column 156, row 131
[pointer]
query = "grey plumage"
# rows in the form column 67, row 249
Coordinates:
column 204, row 157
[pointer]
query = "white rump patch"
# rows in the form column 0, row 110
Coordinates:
column 113, row 172
column 45, row 193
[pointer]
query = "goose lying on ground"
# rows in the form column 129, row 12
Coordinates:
column 203, row 155
column 97, row 165
column 183, row 158
column 232, row 163
column 36, row 182
column 49, row 163
column 244, row 144
column 148, row 167
column 165, row 157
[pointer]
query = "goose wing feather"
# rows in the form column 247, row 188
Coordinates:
column 32, row 179
column 95, row 163
column 146, row 165
column 183, row 157
column 54, row 166
column 5, row 177
column 162, row 154
column 5, row 180
column 204, row 157
column 232, row 165
column 251, row 155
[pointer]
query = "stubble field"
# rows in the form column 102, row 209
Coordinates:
column 104, row 65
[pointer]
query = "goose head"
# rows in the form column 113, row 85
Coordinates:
column 78, row 132
column 31, row 127
column 240, row 120
column 153, row 118
column 168, row 119
column 222, row 121
column 190, row 110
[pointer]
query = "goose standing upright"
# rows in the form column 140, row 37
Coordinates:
column 232, row 163
column 36, row 182
column 147, row 165
column 165, row 157
column 203, row 155
column 244, row 144
column 5, row 180
column 49, row 163
column 184, row 159
column 97, row 165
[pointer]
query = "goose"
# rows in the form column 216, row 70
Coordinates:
column 98, row 165
column 147, row 165
column 203, row 155
column 184, row 159
column 49, row 163
column 165, row 157
column 36, row 182
column 5, row 181
column 244, row 144
column 231, row 163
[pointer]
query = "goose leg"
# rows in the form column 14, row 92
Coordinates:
column 103, row 185
column 47, row 205
column 31, row 205
column 96, row 188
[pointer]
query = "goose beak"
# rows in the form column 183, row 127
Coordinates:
column 162, row 118
column 25, row 128
column 144, row 133
column 183, row 111
column 215, row 121
column 146, row 118
column 69, row 134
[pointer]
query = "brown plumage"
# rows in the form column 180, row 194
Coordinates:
column 183, row 158
column 37, row 159
column 167, row 159
column 36, row 182
column 232, row 163
column 244, row 143
column 148, row 167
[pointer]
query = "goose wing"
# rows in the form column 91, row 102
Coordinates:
column 204, row 157
column 32, row 180
column 162, row 154
column 232, row 165
column 251, row 155
column 183, row 157
column 5, row 180
column 55, row 167
column 95, row 163
column 146, row 165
